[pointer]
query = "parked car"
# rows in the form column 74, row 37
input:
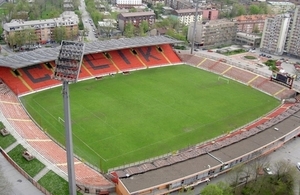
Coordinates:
column 298, row 165
column 268, row 171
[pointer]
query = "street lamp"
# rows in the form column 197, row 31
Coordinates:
column 67, row 70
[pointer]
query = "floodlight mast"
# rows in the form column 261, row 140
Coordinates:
column 67, row 70
column 194, row 27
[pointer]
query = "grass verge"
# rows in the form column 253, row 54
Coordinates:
column 32, row 167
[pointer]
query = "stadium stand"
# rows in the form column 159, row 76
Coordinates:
column 14, row 82
column 20, row 121
column 98, row 65
column 37, row 76
column 151, row 56
column 168, row 51
column 238, row 74
column 126, row 60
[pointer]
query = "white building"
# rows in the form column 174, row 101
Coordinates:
column 274, row 34
column 280, row 7
column 128, row 2
column 187, row 16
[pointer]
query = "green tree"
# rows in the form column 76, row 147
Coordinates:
column 133, row 9
column 220, row 188
column 10, row 7
column 129, row 30
column 254, row 9
column 60, row 34
column 255, row 29
column 144, row 27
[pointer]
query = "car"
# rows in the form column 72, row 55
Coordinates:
column 298, row 165
column 268, row 171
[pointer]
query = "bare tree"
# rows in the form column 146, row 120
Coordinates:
column 5, row 185
column 258, row 165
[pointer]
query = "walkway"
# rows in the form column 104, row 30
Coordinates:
column 20, row 185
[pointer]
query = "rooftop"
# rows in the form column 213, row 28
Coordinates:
column 282, row 3
column 29, row 58
column 132, row 14
column 259, row 138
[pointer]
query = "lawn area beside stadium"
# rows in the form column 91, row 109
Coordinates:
column 127, row 118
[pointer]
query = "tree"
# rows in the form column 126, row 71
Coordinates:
column 254, row 9
column 219, row 188
column 129, row 30
column 144, row 27
column 60, row 34
column 5, row 185
column 255, row 29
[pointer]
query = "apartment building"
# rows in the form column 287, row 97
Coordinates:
column 213, row 33
column 128, row 3
column 44, row 29
column 135, row 18
column 250, row 23
column 281, row 7
column 179, row 4
column 275, row 34
column 187, row 16
column 210, row 14
column 293, row 38
column 68, row 5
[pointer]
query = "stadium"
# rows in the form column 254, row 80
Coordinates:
column 187, row 165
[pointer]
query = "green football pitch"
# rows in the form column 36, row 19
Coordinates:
column 123, row 119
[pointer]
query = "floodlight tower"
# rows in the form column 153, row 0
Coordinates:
column 194, row 27
column 67, row 70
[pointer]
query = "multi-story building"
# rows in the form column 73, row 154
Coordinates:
column 293, row 39
column 135, row 18
column 44, row 29
column 210, row 14
column 128, row 3
column 250, row 23
column 179, row 4
column 187, row 16
column 274, row 34
column 68, row 5
column 213, row 33
column 248, row 39
column 280, row 7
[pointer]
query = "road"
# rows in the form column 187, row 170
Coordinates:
column 87, row 22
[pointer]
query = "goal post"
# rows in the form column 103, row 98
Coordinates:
column 223, row 79
column 60, row 120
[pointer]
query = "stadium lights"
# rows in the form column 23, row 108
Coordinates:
column 67, row 70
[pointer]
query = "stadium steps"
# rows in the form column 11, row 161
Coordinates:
column 126, row 60
column 98, row 65
column 170, row 53
column 37, row 76
column 13, row 81
column 150, row 56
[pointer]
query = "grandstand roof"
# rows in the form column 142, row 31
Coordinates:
column 24, row 59
column 178, row 171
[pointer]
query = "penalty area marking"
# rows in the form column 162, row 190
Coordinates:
column 224, row 79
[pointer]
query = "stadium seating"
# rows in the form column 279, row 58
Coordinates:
column 126, row 60
column 38, row 76
column 170, row 53
column 98, row 65
column 151, row 56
